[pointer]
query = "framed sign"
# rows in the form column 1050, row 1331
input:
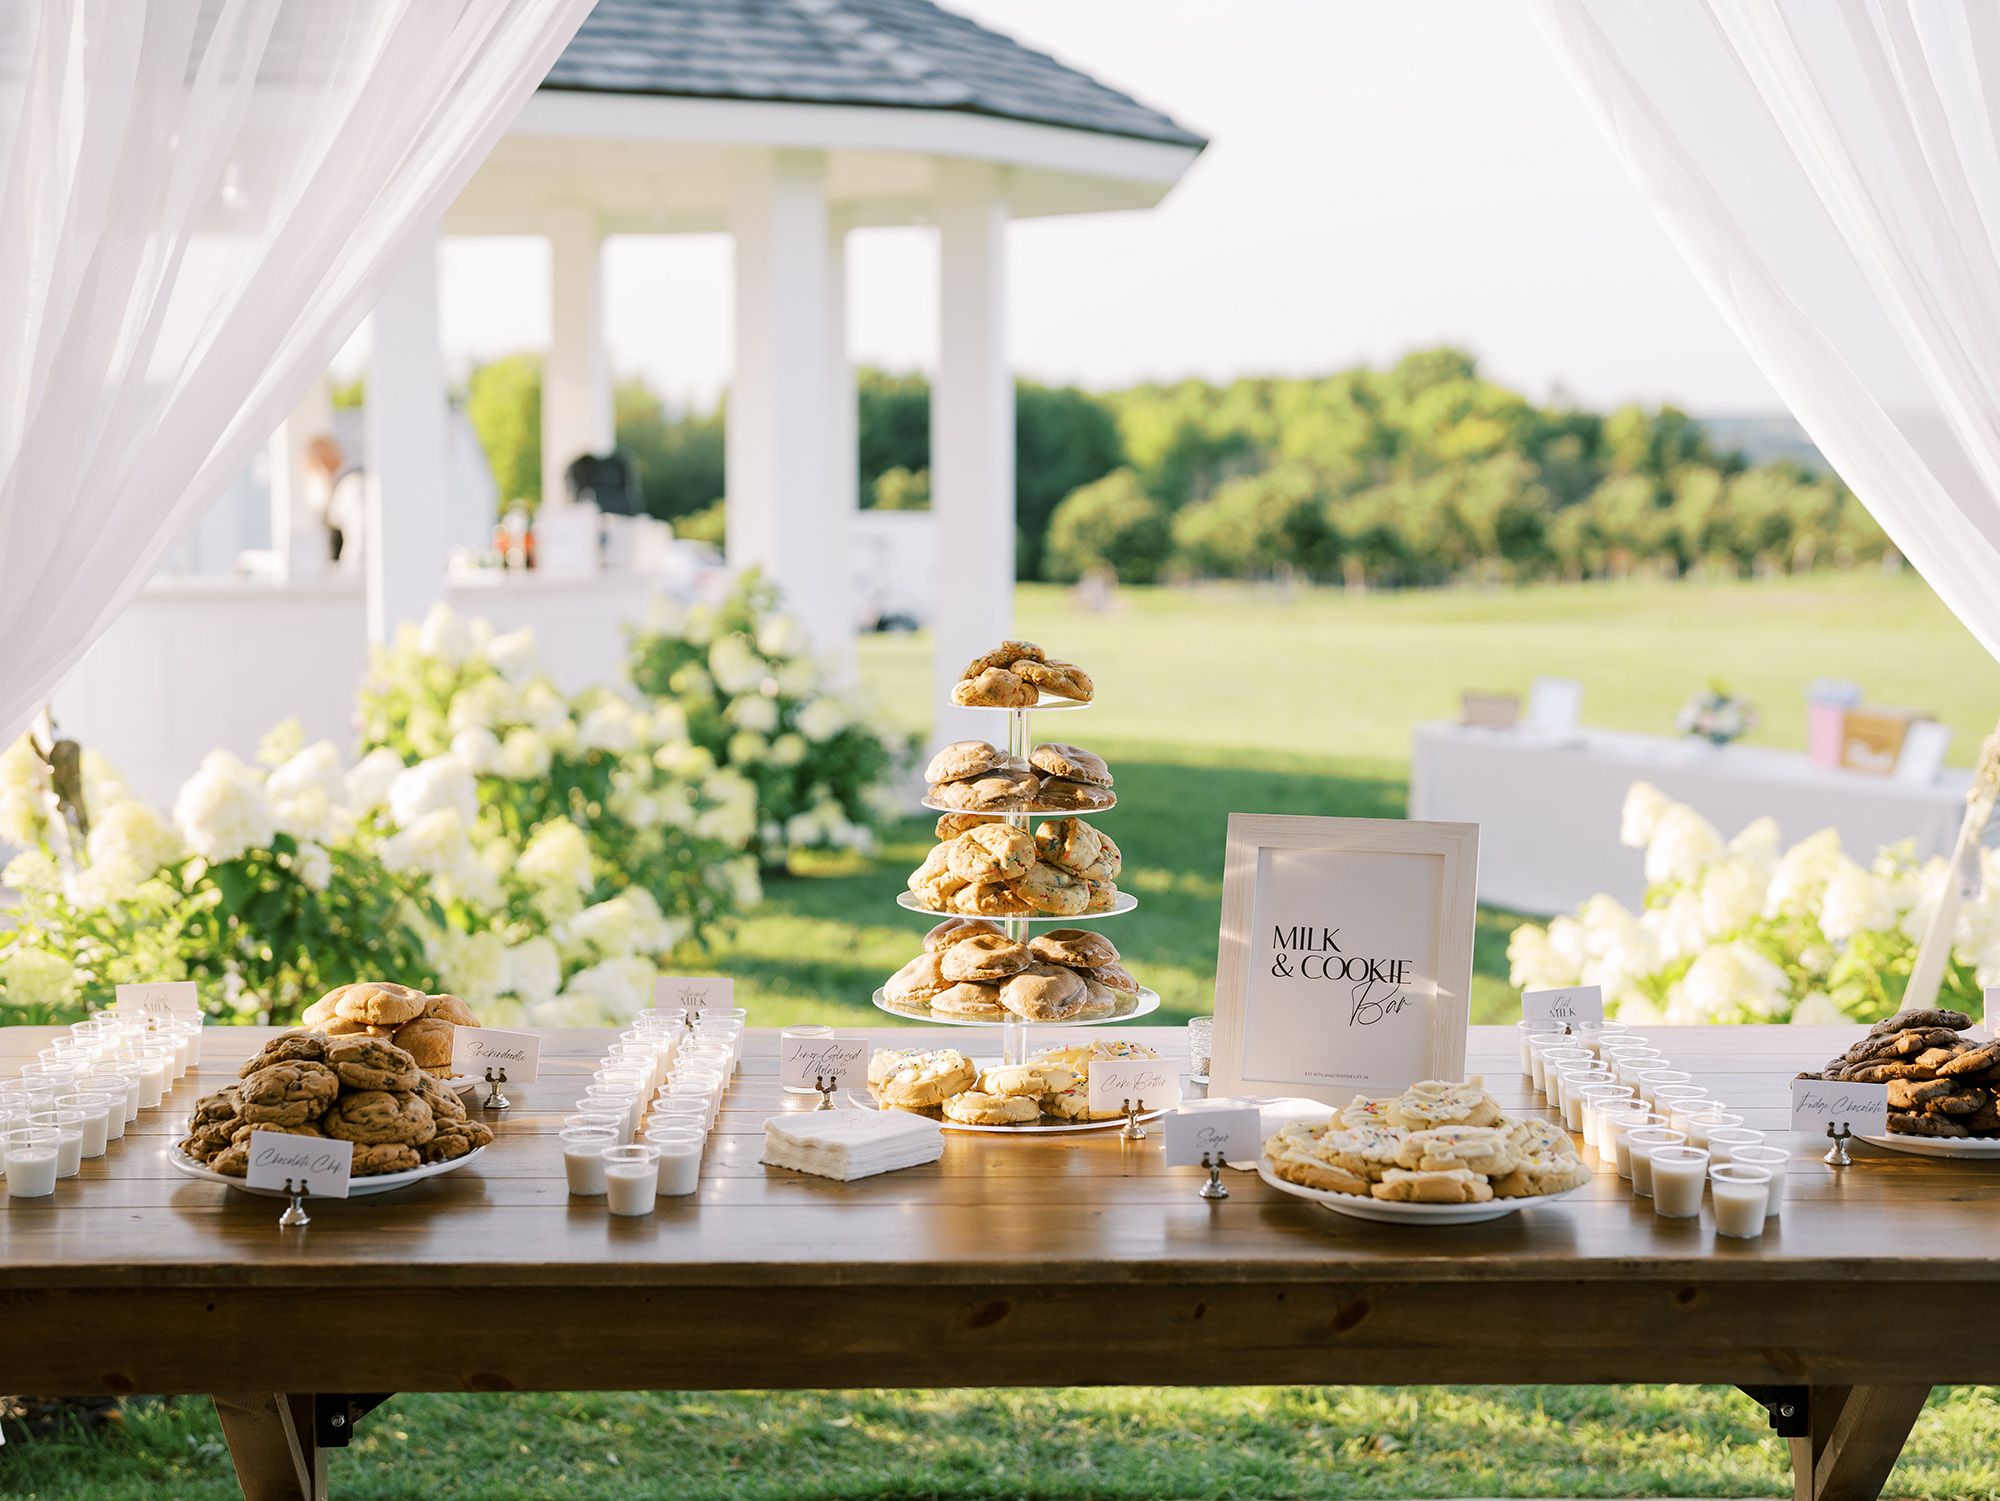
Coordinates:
column 1345, row 965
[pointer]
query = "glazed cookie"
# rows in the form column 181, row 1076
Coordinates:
column 975, row 1109
column 288, row 1094
column 991, row 852
column 1453, row 1186
column 1098, row 1002
column 1540, row 1139
column 1060, row 679
column 1070, row 761
column 376, row 1158
column 1112, row 976
column 969, row 999
column 1060, row 795
column 371, row 1063
column 1002, row 655
column 956, row 930
column 992, row 899
column 994, row 688
column 293, row 1047
column 378, row 1003
column 1068, row 843
column 992, row 792
column 1043, row 992
column 927, row 1079
column 884, row 1062
column 1481, row 1149
column 1311, row 1172
column 1362, row 1111
column 372, row 1116
column 1074, row 947
column 951, row 825
column 932, row 883
column 1052, row 892
column 451, row 1009
column 1436, row 1103
column 1032, row 1080
column 964, row 758
column 1109, row 862
column 428, row 1039
column 985, row 957
column 1545, row 1173
column 916, row 982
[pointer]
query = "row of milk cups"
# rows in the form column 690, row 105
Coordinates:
column 84, row 1089
column 639, row 1128
column 1670, row 1136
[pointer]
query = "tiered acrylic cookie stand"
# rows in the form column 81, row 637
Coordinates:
column 1015, row 1046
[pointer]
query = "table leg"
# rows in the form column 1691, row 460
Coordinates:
column 270, row 1439
column 1857, row 1433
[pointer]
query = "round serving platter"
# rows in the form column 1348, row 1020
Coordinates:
column 1143, row 1003
column 1047, row 705
column 1124, row 903
column 1389, row 1212
column 1972, row 1148
column 862, row 1099
column 938, row 807
column 377, row 1183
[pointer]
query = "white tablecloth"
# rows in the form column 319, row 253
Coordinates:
column 1548, row 805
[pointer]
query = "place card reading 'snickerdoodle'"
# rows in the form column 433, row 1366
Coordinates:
column 804, row 1059
column 1220, row 1132
column 161, row 998
column 315, row 1165
column 476, row 1049
column 694, row 992
column 1574, row 1006
column 1113, row 1081
column 1819, row 1103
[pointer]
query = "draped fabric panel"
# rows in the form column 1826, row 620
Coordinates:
column 199, row 201
column 1831, row 171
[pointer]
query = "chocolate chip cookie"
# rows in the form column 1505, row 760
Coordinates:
column 994, row 688
column 991, row 852
column 288, row 1094
column 371, row 1063
column 293, row 1047
column 373, row 1116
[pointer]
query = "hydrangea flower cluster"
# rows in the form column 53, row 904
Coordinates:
column 1738, row 931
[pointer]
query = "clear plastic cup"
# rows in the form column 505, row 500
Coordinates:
column 1724, row 1142
column 1679, row 1174
column 130, row 1073
column 31, row 1160
column 156, row 1066
column 610, row 1119
column 680, row 1160
column 98, row 1107
column 685, row 1102
column 675, row 1120
column 583, row 1158
column 1524, row 1030
column 1621, row 1125
column 55, row 1074
column 1557, row 1064
column 622, row 1098
column 1642, row 1143
column 1651, row 1081
column 631, row 1178
column 1666, row 1096
column 1539, row 1049
column 1574, row 1082
column 1742, row 1193
column 68, row 1126
column 1597, row 1098
column 1698, row 1124
column 1773, row 1160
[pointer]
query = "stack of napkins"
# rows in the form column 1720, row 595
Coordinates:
column 850, row 1144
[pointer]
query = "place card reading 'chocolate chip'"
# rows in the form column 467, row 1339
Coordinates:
column 317, row 1165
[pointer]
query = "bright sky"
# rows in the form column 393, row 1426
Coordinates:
column 1381, row 177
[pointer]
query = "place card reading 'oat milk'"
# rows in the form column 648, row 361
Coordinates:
column 163, row 998
column 1576, row 1006
column 804, row 1059
column 1819, row 1103
column 695, row 992
column 1157, row 1081
column 317, row 1165
column 476, row 1049
column 1232, row 1132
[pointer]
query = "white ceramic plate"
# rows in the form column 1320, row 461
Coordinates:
column 1125, row 903
column 1142, row 1003
column 862, row 1099
column 1385, row 1212
column 380, row 1183
column 1938, row 1146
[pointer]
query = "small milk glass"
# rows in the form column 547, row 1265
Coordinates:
column 68, row 1126
column 631, row 1178
column 1665, row 1096
column 130, row 1073
column 1554, row 1060
column 97, row 1109
column 703, row 1103
column 1574, row 1081
column 1651, row 1081
column 1598, row 1098
column 193, row 1027
column 1725, row 1141
column 1679, row 1176
column 31, row 1160
column 1540, row 1045
column 1772, row 1160
column 680, row 1160
column 608, row 1119
column 583, row 1158
column 1742, row 1195
column 675, row 1120
column 1642, row 1142
column 1629, row 1066
column 1700, row 1123
column 1620, row 1125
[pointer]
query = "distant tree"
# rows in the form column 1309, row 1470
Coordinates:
column 893, row 421
column 504, row 403
column 680, row 458
column 1261, row 524
column 1110, row 521
column 1063, row 439
column 899, row 490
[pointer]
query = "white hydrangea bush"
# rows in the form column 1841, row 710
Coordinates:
column 1743, row 930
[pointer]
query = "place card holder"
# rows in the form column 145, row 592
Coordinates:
column 1836, row 1155
column 1213, row 1188
column 295, row 1216
column 826, row 1086
column 494, row 1099
column 1133, row 1131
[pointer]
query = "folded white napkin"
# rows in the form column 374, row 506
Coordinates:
column 850, row 1144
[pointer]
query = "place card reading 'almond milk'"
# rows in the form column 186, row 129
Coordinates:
column 476, row 1049
column 316, row 1165
column 1819, row 1103
column 1576, row 1006
column 695, row 992
column 1157, row 1081
column 804, row 1059
column 161, row 998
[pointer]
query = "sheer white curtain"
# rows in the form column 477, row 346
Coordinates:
column 199, row 200
column 1829, row 169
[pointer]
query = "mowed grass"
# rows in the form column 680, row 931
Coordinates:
column 1127, row 1443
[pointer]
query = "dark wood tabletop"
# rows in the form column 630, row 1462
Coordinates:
column 1056, row 1259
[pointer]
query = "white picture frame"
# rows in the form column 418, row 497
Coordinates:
column 1391, row 905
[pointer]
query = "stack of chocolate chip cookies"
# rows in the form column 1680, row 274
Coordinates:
column 980, row 778
column 1064, row 868
column 970, row 969
column 1941, row 1083
column 1016, row 675
column 421, row 1025
column 944, row 1084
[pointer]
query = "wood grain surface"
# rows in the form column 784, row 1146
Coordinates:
column 981, row 1268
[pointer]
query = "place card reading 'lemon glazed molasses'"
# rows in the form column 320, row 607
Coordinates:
column 802, row 1060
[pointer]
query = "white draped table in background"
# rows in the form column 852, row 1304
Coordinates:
column 1548, row 805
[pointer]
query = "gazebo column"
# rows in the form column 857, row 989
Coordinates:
column 577, row 413
column 843, row 439
column 405, row 537
column 785, row 503
column 972, row 438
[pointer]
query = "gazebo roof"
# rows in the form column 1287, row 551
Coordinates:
column 897, row 53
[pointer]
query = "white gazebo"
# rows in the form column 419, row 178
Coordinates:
column 787, row 126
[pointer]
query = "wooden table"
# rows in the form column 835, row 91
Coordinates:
column 1878, row 1281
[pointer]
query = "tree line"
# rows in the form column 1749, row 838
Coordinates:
column 1423, row 473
